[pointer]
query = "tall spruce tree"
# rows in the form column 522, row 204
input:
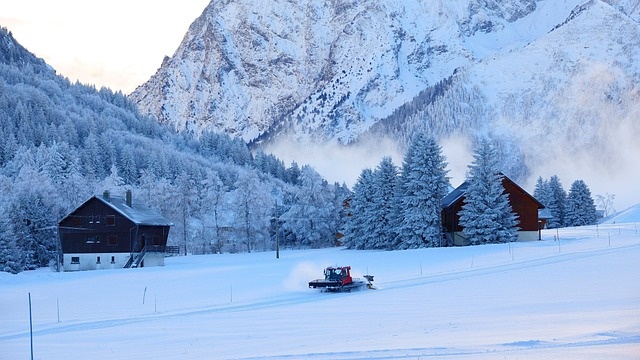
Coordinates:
column 557, row 203
column 423, row 185
column 359, row 221
column 385, row 185
column 486, row 216
column 541, row 191
column 580, row 207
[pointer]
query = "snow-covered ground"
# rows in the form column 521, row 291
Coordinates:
column 576, row 298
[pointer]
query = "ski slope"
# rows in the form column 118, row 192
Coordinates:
column 573, row 298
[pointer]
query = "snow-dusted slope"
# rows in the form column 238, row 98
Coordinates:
column 570, row 98
column 331, row 68
column 629, row 215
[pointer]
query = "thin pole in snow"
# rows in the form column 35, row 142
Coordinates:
column 58, row 307
column 231, row 292
column 30, row 327
column 144, row 294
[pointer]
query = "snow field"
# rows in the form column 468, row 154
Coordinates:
column 576, row 298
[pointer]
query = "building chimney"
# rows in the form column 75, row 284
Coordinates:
column 128, row 198
column 106, row 195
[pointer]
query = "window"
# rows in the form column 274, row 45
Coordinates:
column 98, row 260
column 111, row 220
column 112, row 240
column 75, row 259
column 93, row 239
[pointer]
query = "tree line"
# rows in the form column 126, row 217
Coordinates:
column 401, row 208
column 577, row 208
column 64, row 142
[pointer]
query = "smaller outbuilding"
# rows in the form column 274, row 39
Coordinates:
column 524, row 205
column 108, row 232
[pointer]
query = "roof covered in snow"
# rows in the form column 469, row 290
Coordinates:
column 138, row 213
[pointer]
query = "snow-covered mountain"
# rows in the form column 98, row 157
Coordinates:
column 546, row 79
column 330, row 70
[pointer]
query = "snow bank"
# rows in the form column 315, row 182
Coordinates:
column 630, row 215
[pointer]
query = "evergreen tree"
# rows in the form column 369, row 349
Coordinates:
column 293, row 173
column 360, row 221
column 580, row 209
column 313, row 216
column 11, row 257
column 385, row 185
column 486, row 216
column 541, row 192
column 556, row 203
column 252, row 205
column 423, row 185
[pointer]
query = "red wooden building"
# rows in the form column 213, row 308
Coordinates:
column 107, row 232
column 523, row 204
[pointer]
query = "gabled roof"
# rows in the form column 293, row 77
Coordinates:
column 459, row 192
column 455, row 194
column 138, row 213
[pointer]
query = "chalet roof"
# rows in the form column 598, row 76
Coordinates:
column 455, row 194
column 459, row 192
column 138, row 213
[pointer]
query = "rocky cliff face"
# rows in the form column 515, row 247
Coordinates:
column 541, row 77
column 329, row 69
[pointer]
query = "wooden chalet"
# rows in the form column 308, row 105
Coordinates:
column 525, row 206
column 108, row 232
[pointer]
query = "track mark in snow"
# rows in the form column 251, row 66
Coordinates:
column 518, row 265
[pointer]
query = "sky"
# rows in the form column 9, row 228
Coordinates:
column 118, row 44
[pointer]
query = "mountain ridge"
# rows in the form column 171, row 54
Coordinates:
column 541, row 78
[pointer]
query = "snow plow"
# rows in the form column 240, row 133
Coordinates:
column 338, row 279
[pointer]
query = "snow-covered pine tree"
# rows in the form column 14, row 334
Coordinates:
column 313, row 216
column 359, row 225
column 385, row 185
column 557, row 202
column 486, row 216
column 423, row 185
column 11, row 257
column 541, row 192
column 252, row 206
column 580, row 207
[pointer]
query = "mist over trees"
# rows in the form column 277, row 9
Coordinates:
column 64, row 142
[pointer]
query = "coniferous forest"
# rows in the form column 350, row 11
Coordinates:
column 64, row 142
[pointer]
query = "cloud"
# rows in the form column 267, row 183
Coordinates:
column 335, row 162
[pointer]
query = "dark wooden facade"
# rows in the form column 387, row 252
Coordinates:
column 112, row 225
column 523, row 204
